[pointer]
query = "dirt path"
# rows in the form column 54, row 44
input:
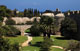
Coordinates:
column 58, row 47
column 26, row 43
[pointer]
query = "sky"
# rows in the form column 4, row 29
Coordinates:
column 42, row 5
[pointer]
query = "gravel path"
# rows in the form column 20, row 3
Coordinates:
column 26, row 43
column 58, row 47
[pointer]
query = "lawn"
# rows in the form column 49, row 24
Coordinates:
column 58, row 41
column 27, row 30
column 18, row 39
column 36, row 44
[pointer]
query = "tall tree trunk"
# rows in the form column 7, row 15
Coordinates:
column 44, row 34
column 48, row 35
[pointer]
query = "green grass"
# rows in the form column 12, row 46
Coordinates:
column 31, row 48
column 36, row 46
column 27, row 31
column 18, row 39
column 60, row 42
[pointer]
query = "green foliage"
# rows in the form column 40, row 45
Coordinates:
column 46, row 44
column 69, row 28
column 73, row 46
column 2, row 32
column 47, row 25
column 35, row 30
column 35, row 21
column 15, row 12
column 47, row 20
column 36, row 12
column 1, row 23
column 29, row 22
column 5, row 45
column 11, row 31
column 28, row 13
column 10, row 22
column 4, row 11
column 1, row 19
column 8, row 31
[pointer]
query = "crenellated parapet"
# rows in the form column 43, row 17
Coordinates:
column 73, row 12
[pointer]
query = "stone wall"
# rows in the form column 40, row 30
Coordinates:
column 19, row 20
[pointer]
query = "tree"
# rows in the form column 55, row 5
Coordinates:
column 47, row 25
column 35, row 30
column 10, row 22
column 1, row 19
column 10, row 30
column 6, row 45
column 69, row 28
column 25, row 12
column 36, row 12
column 15, row 12
column 3, row 10
column 2, row 32
column 46, row 44
column 20, row 14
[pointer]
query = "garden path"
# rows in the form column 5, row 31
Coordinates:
column 58, row 47
column 26, row 43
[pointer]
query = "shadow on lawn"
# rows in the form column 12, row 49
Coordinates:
column 63, row 38
column 37, row 44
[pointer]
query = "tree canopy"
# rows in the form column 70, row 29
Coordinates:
column 69, row 28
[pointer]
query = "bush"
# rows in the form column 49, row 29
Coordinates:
column 29, row 23
column 46, row 44
column 73, row 46
column 10, row 22
column 2, row 32
column 6, row 46
column 11, row 31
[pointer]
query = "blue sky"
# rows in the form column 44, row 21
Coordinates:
column 42, row 5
